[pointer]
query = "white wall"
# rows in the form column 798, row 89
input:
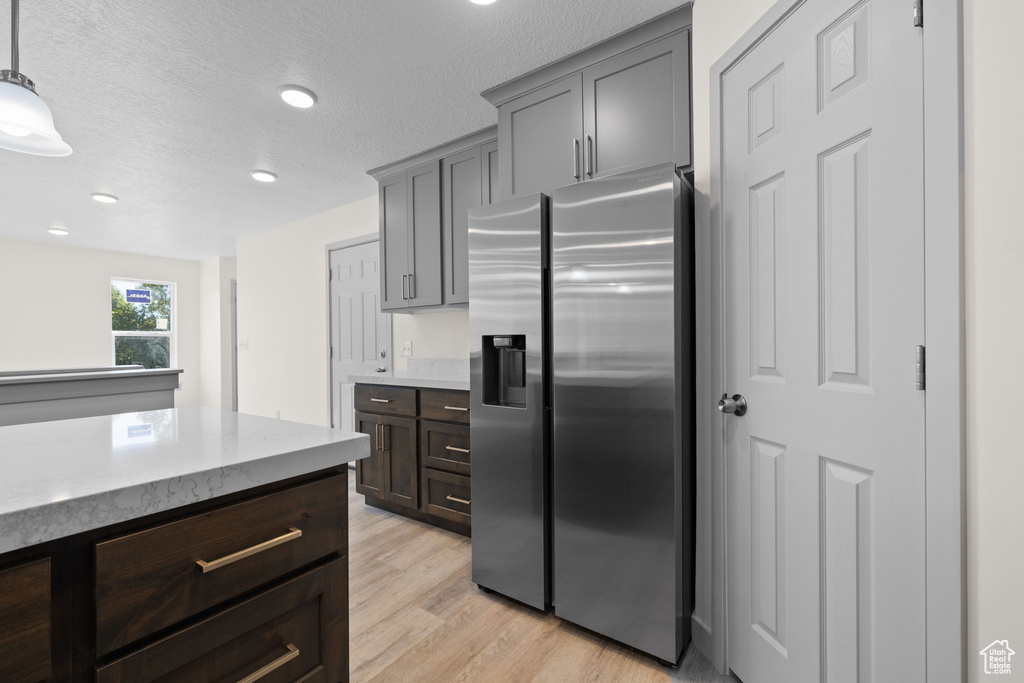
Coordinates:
column 55, row 307
column 994, row 262
column 215, row 275
column 433, row 335
column 993, row 57
column 282, row 309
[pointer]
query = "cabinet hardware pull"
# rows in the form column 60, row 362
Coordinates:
column 454, row 462
column 465, row 410
column 457, row 500
column 456, row 449
column 381, row 400
column 590, row 156
column 292, row 534
column 377, row 435
column 292, row 653
column 576, row 158
column 385, row 431
column 405, row 283
column 412, row 285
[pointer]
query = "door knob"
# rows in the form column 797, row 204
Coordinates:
column 737, row 405
column 380, row 369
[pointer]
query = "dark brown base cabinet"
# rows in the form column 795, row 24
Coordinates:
column 252, row 585
column 419, row 462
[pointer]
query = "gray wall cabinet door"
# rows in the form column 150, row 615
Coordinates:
column 394, row 243
column 424, row 205
column 492, row 189
column 540, row 138
column 462, row 180
column 637, row 108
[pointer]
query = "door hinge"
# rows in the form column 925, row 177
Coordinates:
column 918, row 13
column 332, row 352
column 330, row 274
column 920, row 367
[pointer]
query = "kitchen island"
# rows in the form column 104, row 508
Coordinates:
column 182, row 544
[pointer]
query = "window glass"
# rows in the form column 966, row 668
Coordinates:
column 141, row 322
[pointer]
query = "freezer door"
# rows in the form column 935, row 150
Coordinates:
column 618, row 265
column 507, row 243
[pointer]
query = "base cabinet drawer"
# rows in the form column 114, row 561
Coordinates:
column 25, row 623
column 445, row 447
column 154, row 578
column 447, row 495
column 296, row 631
column 373, row 398
column 450, row 406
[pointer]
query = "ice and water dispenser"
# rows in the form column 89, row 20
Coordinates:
column 504, row 376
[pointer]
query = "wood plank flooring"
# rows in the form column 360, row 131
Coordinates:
column 417, row 617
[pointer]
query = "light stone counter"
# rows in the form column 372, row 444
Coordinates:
column 429, row 373
column 63, row 477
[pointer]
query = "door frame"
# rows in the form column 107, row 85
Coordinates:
column 337, row 246
column 945, row 433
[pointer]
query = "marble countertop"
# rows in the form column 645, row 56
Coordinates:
column 427, row 380
column 67, row 476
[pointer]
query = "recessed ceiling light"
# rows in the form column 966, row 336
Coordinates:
column 297, row 96
column 104, row 198
column 264, row 176
column 60, row 232
column 481, row 2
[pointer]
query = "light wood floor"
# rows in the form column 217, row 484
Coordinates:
column 417, row 617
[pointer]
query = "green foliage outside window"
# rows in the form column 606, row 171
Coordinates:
column 148, row 351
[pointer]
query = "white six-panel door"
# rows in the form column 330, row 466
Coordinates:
column 359, row 331
column 822, row 184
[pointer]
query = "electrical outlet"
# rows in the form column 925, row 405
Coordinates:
column 407, row 349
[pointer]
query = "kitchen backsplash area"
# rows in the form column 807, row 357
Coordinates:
column 432, row 365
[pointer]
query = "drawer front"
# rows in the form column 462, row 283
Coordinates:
column 451, row 406
column 25, row 623
column 295, row 630
column 374, row 398
column 445, row 447
column 447, row 495
column 152, row 579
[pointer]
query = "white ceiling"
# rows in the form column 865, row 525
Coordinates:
column 170, row 104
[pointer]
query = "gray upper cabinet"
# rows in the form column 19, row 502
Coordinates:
column 410, row 238
column 540, row 136
column 637, row 108
column 424, row 229
column 492, row 188
column 619, row 105
column 463, row 190
column 424, row 184
column 394, row 242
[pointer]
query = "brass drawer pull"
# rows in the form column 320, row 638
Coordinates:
column 292, row 534
column 381, row 400
column 292, row 653
column 457, row 500
column 456, row 449
column 465, row 410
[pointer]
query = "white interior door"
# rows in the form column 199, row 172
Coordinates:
column 822, row 182
column 360, row 333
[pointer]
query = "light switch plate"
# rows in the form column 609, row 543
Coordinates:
column 407, row 349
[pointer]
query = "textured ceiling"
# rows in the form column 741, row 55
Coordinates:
column 170, row 104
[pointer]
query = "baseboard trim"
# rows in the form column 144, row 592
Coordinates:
column 701, row 639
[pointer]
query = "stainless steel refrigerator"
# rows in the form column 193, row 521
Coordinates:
column 582, row 370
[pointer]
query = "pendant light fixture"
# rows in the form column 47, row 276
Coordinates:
column 26, row 124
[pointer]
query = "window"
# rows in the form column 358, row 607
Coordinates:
column 142, row 323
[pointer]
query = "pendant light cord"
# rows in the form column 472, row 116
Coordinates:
column 14, row 36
